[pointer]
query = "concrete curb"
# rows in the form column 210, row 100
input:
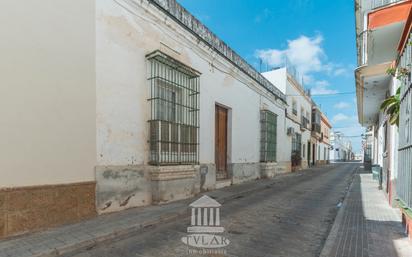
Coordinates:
column 89, row 243
column 333, row 233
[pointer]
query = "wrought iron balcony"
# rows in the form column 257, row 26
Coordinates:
column 304, row 123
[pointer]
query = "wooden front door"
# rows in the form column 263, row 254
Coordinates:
column 221, row 142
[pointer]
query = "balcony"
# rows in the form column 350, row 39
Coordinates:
column 363, row 51
column 377, row 44
column 304, row 123
column 375, row 4
column 316, row 128
column 379, row 29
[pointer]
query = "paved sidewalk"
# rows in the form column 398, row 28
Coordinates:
column 103, row 228
column 366, row 226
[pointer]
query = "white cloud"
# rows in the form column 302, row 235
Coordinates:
column 340, row 71
column 304, row 53
column 321, row 88
column 340, row 117
column 308, row 57
column 343, row 117
column 342, row 105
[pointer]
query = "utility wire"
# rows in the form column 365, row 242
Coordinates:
column 341, row 93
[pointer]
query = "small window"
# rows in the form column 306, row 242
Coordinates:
column 294, row 107
column 296, row 149
column 296, row 143
column 268, row 136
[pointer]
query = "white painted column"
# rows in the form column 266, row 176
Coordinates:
column 217, row 222
column 193, row 221
column 205, row 221
column 211, row 220
column 199, row 217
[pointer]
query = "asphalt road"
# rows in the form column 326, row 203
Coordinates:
column 291, row 217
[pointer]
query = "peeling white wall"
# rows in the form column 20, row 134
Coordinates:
column 47, row 92
column 125, row 34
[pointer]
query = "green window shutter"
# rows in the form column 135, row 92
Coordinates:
column 268, row 143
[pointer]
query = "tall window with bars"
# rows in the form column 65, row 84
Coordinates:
column 296, row 149
column 268, row 136
column 296, row 143
column 174, row 118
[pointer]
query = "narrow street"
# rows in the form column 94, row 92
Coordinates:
column 181, row 128
column 292, row 217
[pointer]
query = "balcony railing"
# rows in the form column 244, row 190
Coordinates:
column 316, row 127
column 374, row 4
column 304, row 122
column 363, row 51
column 403, row 186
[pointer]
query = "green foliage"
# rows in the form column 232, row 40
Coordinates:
column 391, row 71
column 399, row 73
column 391, row 106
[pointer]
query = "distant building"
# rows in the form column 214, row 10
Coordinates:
column 324, row 144
column 307, row 127
column 298, row 116
column 341, row 148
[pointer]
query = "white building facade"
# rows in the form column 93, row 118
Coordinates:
column 341, row 147
column 144, row 106
column 298, row 116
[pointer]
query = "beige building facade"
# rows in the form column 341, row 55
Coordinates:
column 48, row 114
column 324, row 145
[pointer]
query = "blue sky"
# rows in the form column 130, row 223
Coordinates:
column 316, row 36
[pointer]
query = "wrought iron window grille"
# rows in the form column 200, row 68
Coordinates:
column 174, row 117
column 268, row 136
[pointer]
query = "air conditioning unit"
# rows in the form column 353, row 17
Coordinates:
column 291, row 131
